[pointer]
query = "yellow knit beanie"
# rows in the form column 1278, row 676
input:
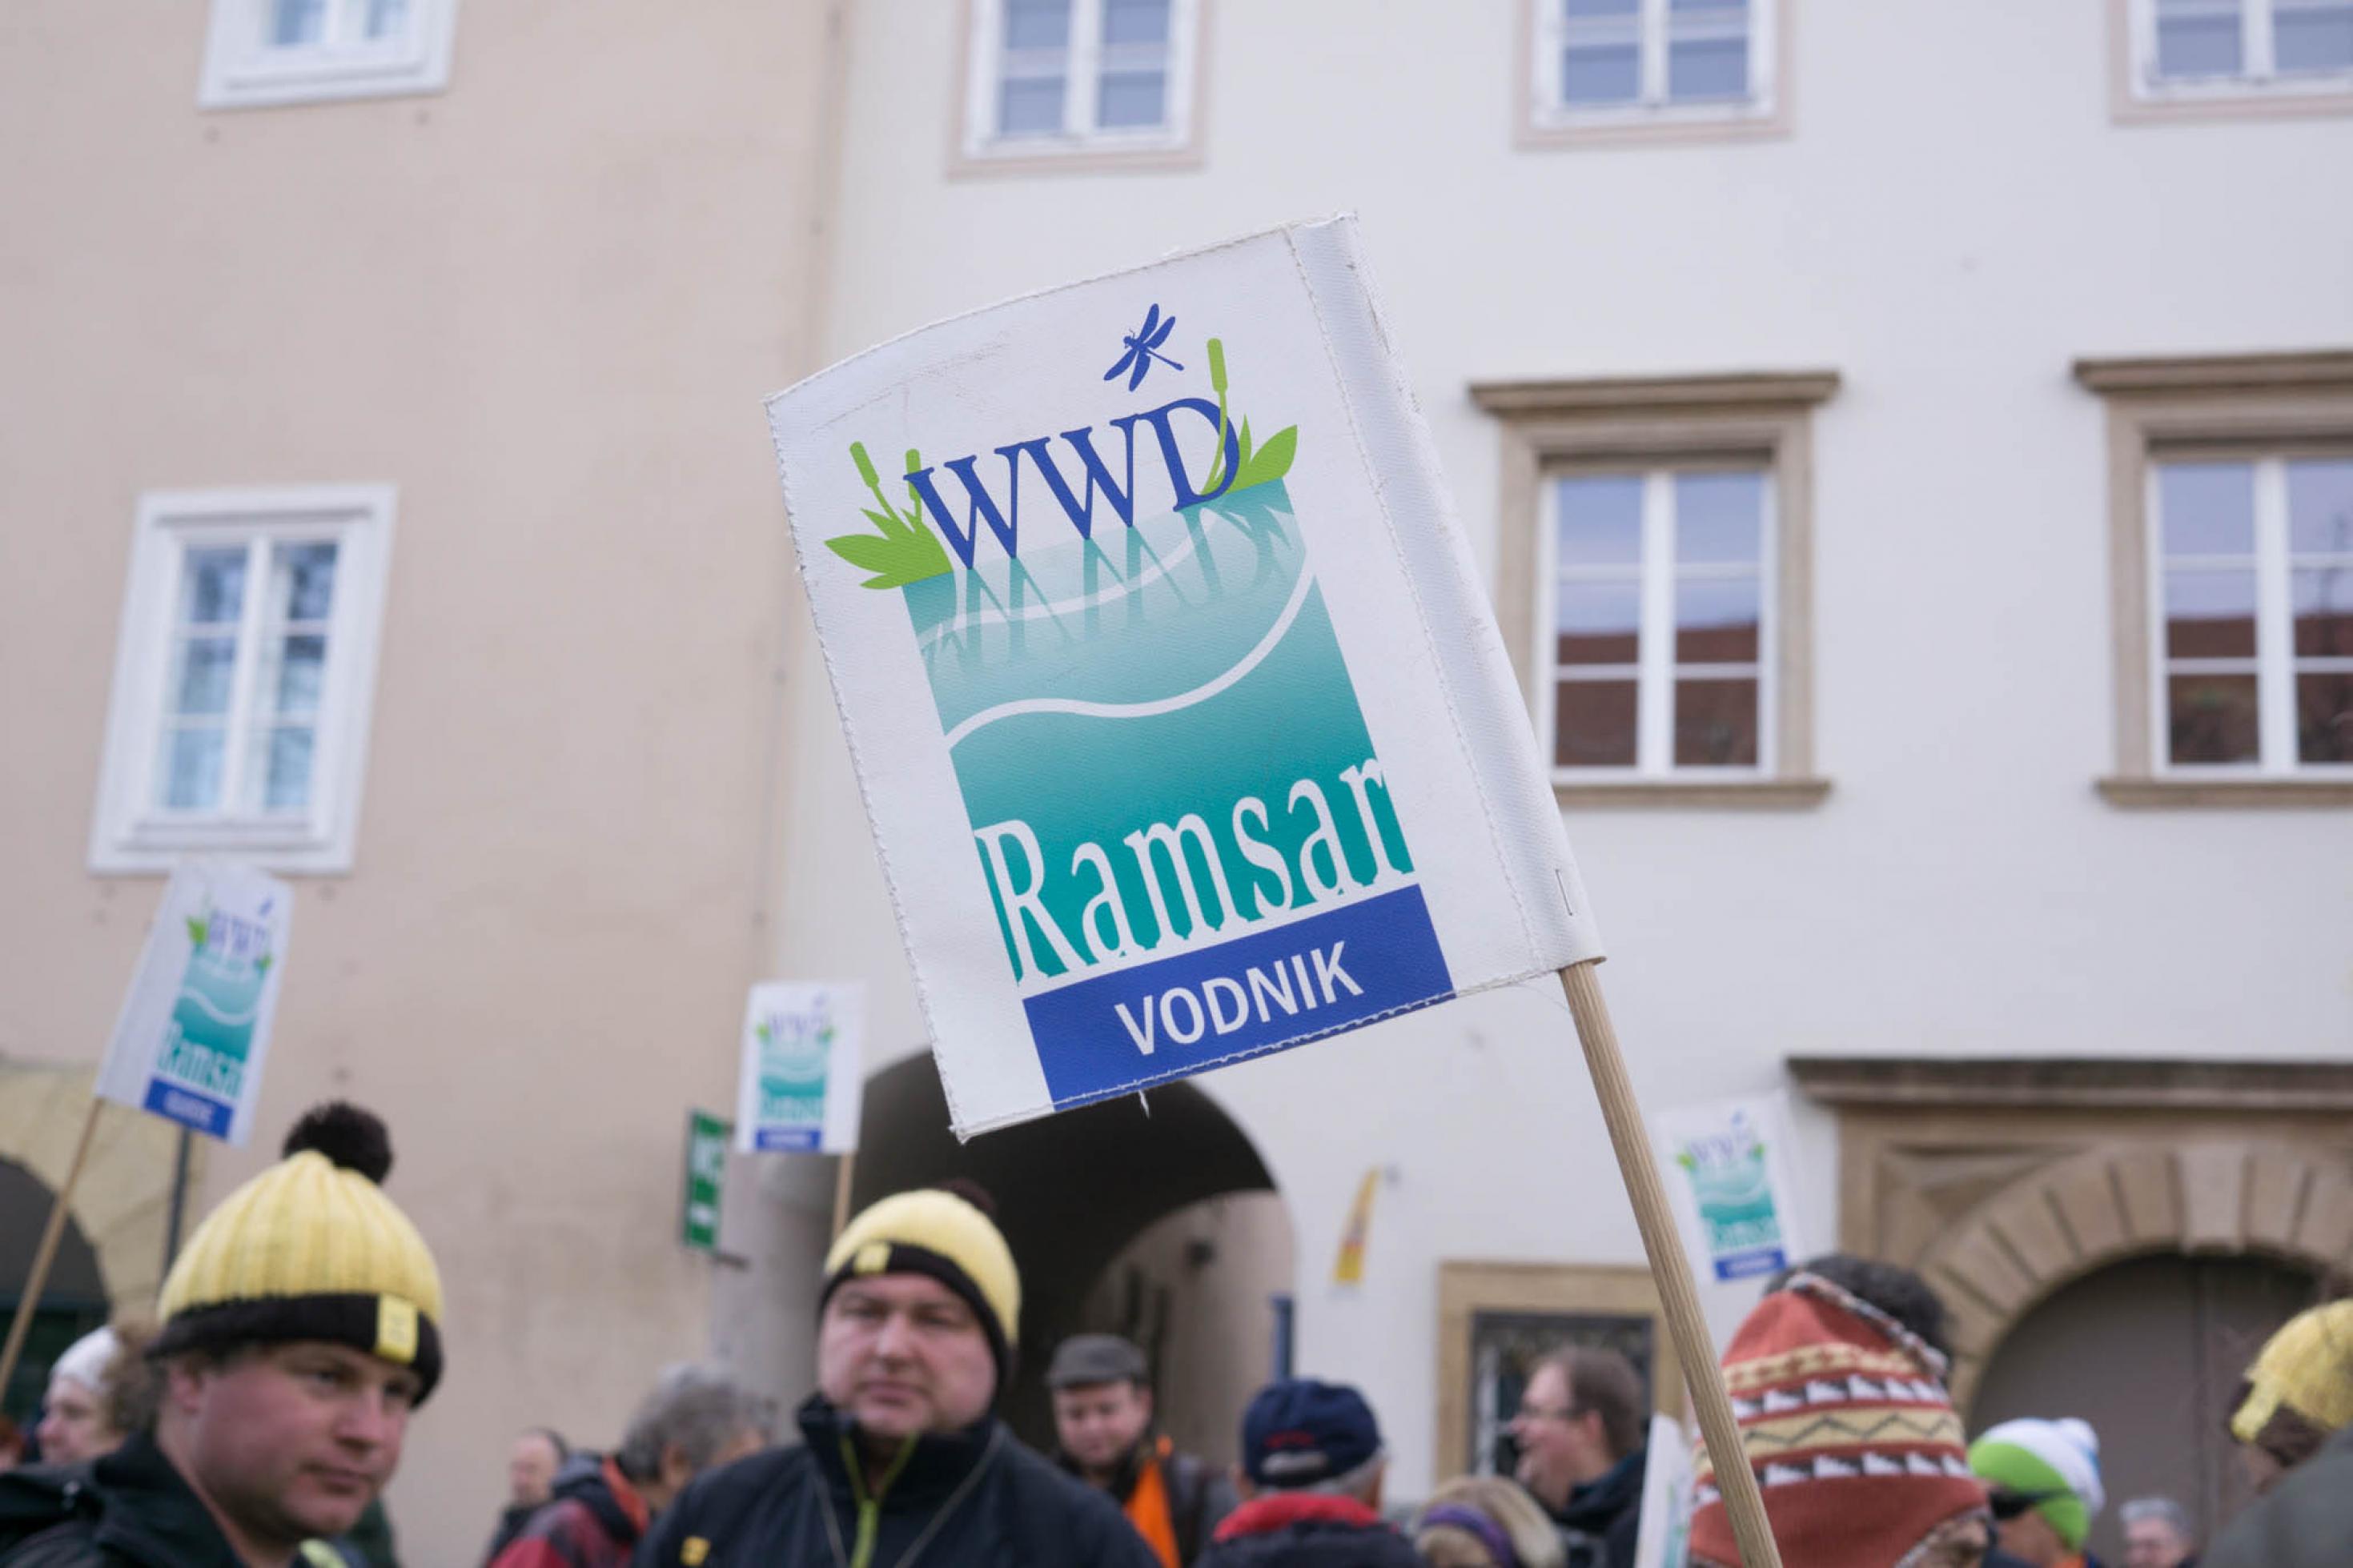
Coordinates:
column 947, row 1238
column 311, row 1249
column 2302, row 1379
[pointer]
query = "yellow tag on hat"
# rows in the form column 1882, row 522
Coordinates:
column 872, row 1259
column 395, row 1328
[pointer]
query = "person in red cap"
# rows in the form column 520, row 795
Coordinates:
column 1853, row 1440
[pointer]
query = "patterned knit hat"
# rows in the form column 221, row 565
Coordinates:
column 2056, row 1461
column 2300, row 1388
column 1845, row 1419
column 311, row 1249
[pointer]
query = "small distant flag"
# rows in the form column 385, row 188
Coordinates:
column 1348, row 1268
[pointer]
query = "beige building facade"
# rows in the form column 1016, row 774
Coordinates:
column 526, row 303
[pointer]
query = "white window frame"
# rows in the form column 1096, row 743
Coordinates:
column 130, row 835
column 1547, row 25
column 242, row 72
column 2258, row 76
column 1079, row 135
column 1657, row 667
column 2276, row 660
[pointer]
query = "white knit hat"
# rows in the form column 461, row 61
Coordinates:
column 86, row 1360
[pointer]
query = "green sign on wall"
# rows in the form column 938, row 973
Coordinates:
column 706, row 1167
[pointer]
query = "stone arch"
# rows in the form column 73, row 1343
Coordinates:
column 2060, row 1221
column 122, row 1201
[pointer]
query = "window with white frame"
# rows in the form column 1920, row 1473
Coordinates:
column 2253, row 567
column 2206, row 47
column 1606, row 61
column 299, row 51
column 243, row 677
column 1055, row 75
column 1661, row 597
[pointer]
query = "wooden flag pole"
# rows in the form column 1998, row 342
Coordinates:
column 1669, row 1267
column 47, row 1253
column 844, row 1173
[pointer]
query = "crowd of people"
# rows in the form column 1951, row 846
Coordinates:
column 255, row 1423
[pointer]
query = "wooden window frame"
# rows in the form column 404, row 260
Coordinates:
column 1552, row 428
column 128, row 835
column 976, row 149
column 2244, row 406
column 1542, row 120
column 2136, row 96
column 239, row 72
column 1465, row 1290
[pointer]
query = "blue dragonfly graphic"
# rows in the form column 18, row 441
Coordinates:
column 1143, row 348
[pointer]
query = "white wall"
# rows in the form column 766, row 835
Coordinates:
column 1953, row 220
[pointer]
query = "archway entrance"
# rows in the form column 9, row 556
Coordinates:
column 2150, row 1351
column 72, row 1303
column 1073, row 1192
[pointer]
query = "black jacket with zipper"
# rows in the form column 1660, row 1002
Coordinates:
column 129, row 1509
column 970, row 1499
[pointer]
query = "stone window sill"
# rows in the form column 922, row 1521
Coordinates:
column 2151, row 793
column 1760, row 795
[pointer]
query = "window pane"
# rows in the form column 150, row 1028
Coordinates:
column 212, row 586
column 1597, row 77
column 1030, row 108
column 1598, row 622
column 2313, row 38
column 306, row 581
column 2324, row 612
column 1716, row 620
column 2212, row 718
column 2198, row 38
column 1132, row 98
column 200, row 676
column 1716, row 723
column 1593, row 724
column 1711, row 69
column 281, row 767
column 386, row 17
column 1718, row 517
column 2208, row 508
column 189, row 778
column 2320, row 507
column 2323, row 718
column 301, row 662
column 1603, row 7
column 293, row 22
column 1135, row 21
column 2210, row 614
column 1037, row 23
column 1600, row 521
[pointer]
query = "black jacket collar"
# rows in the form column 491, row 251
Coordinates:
column 941, row 1463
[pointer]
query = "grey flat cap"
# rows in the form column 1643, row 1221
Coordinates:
column 1083, row 1361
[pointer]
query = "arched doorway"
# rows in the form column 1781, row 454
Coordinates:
column 1073, row 1192
column 2150, row 1351
column 72, row 1303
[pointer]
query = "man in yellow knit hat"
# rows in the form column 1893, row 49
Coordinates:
column 903, row 1465
column 301, row 1327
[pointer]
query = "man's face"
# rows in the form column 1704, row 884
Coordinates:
column 1100, row 1424
column 902, row 1354
column 291, row 1441
column 2030, row 1540
column 529, row 1469
column 1561, row 1447
column 73, row 1426
column 2152, row 1543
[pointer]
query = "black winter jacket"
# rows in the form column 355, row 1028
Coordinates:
column 1278, row 1530
column 973, row 1498
column 1602, row 1520
column 129, row 1509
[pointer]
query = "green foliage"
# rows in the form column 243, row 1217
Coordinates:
column 1261, row 466
column 261, row 965
column 905, row 550
column 199, row 930
column 1686, row 1161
